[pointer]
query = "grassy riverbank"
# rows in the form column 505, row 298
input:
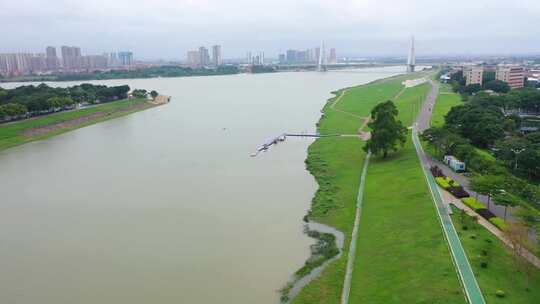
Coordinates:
column 21, row 132
column 500, row 274
column 402, row 256
column 336, row 164
column 445, row 101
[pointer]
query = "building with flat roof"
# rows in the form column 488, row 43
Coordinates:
column 51, row 58
column 204, row 59
column 216, row 55
column 513, row 75
column 125, row 58
column 71, row 57
column 473, row 75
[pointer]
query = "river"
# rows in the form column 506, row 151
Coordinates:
column 165, row 205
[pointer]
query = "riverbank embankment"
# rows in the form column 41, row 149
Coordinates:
column 24, row 131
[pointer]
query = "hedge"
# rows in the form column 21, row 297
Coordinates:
column 499, row 222
column 473, row 203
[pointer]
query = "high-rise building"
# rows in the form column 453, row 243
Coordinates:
column 204, row 57
column 332, row 58
column 473, row 75
column 317, row 54
column 249, row 58
column 216, row 55
column 411, row 59
column 282, row 58
column 292, row 56
column 94, row 62
column 51, row 58
column 8, row 64
column 193, row 58
column 37, row 63
column 125, row 58
column 71, row 57
column 513, row 75
column 112, row 59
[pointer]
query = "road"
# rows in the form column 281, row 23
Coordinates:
column 459, row 257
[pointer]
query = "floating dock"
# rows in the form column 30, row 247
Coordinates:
column 282, row 137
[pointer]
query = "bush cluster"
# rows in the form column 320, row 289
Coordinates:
column 473, row 203
column 498, row 222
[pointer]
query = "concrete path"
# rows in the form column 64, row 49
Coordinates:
column 459, row 257
column 352, row 248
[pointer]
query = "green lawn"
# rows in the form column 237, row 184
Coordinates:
column 336, row 163
column 445, row 101
column 11, row 134
column 500, row 272
column 402, row 256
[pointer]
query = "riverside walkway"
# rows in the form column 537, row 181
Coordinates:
column 459, row 257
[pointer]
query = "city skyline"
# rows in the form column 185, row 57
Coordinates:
column 353, row 27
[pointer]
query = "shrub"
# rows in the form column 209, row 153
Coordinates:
column 443, row 182
column 484, row 264
column 458, row 192
column 446, row 182
column 500, row 294
column 473, row 203
column 437, row 172
column 485, row 214
column 499, row 222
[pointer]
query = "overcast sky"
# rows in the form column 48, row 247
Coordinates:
column 168, row 28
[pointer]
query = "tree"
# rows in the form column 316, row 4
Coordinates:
column 487, row 185
column 506, row 199
column 497, row 86
column 518, row 236
column 472, row 88
column 139, row 93
column 154, row 94
column 387, row 132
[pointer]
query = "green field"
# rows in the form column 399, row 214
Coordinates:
column 337, row 163
column 11, row 134
column 500, row 272
column 445, row 101
column 402, row 256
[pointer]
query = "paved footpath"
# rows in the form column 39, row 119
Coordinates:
column 459, row 257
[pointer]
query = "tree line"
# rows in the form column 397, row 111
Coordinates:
column 25, row 101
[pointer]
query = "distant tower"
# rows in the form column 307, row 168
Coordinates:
column 322, row 59
column 411, row 60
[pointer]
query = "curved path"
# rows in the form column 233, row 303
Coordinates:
column 459, row 257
